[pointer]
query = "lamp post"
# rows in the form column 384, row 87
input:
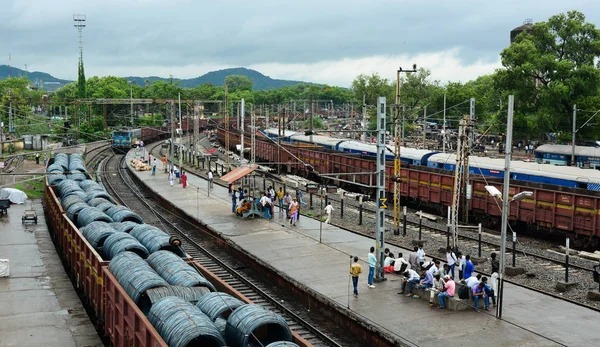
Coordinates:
column 493, row 191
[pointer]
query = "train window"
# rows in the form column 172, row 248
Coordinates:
column 582, row 185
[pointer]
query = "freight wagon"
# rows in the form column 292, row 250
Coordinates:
column 116, row 315
column 568, row 210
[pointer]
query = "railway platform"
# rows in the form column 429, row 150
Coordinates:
column 316, row 258
column 38, row 305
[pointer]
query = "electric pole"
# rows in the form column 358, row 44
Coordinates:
column 381, row 199
column 242, row 107
column 225, row 114
column 397, row 146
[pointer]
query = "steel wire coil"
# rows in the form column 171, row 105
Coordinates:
column 176, row 271
column 78, row 176
column 68, row 186
column 251, row 323
column 99, row 194
column 97, row 232
column 56, row 167
column 78, row 193
column 97, row 201
column 119, row 243
column 183, row 324
column 154, row 239
column 218, row 305
column 189, row 294
column 92, row 214
column 67, row 201
column 134, row 274
column 90, row 185
column 56, row 178
column 282, row 344
column 74, row 210
column 123, row 214
column 105, row 206
column 124, row 226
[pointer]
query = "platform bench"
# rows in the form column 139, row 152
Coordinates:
column 454, row 303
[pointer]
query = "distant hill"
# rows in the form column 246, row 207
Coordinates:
column 217, row 78
column 38, row 79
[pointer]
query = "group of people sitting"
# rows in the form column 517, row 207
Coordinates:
column 265, row 203
column 440, row 280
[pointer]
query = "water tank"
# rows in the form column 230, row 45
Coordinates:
column 527, row 26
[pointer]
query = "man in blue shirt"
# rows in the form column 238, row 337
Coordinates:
column 469, row 268
column 372, row 263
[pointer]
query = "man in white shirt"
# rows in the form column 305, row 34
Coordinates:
column 265, row 201
column 473, row 281
column 401, row 264
column 210, row 179
column 328, row 210
column 435, row 268
column 412, row 278
column 421, row 254
column 451, row 260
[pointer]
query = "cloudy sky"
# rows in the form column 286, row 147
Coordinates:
column 328, row 41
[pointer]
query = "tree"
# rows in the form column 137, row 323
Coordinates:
column 81, row 80
column 551, row 69
column 372, row 87
column 238, row 82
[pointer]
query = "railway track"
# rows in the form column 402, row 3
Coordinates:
column 203, row 247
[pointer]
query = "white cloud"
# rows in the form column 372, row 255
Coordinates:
column 445, row 66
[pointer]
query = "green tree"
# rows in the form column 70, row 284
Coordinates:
column 238, row 82
column 81, row 80
column 372, row 87
column 317, row 123
column 551, row 69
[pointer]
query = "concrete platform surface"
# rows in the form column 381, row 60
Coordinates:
column 318, row 257
column 38, row 305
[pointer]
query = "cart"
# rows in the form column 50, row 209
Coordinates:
column 4, row 206
column 29, row 216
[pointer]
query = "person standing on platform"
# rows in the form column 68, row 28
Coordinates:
column 154, row 167
column 328, row 210
column 45, row 159
column 469, row 267
column 287, row 202
column 372, row 264
column 171, row 178
column 494, row 277
column 413, row 259
column 241, row 194
column 355, row 270
column 462, row 261
column 183, row 179
column 299, row 196
column 421, row 254
column 37, row 159
column 233, row 201
column 280, row 195
column 265, row 201
column 294, row 211
column 210, row 179
column 164, row 163
column 451, row 259
column 230, row 187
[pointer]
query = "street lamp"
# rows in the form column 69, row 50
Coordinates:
column 493, row 191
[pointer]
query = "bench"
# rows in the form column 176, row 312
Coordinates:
column 4, row 206
column 453, row 304
column 256, row 210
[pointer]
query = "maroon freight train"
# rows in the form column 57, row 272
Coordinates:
column 550, row 209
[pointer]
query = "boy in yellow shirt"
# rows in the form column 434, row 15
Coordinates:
column 355, row 270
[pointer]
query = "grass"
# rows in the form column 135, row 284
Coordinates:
column 34, row 188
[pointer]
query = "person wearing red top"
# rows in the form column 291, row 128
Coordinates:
column 448, row 291
column 183, row 179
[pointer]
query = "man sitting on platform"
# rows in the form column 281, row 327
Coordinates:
column 438, row 287
column 412, row 278
column 448, row 291
column 401, row 264
column 473, row 281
